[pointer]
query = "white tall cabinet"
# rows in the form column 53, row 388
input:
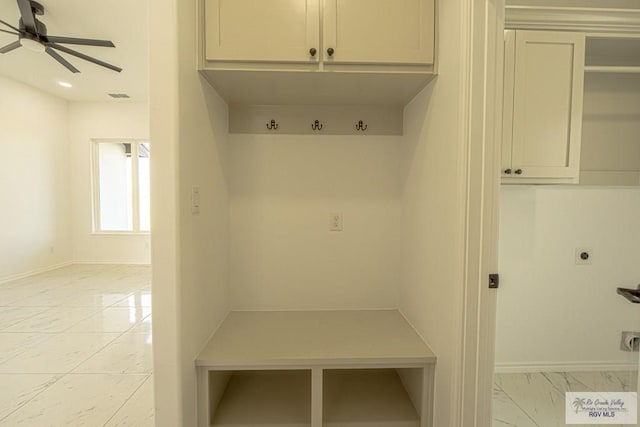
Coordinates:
column 544, row 79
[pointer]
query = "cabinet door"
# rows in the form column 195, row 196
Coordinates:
column 262, row 30
column 547, row 104
column 379, row 31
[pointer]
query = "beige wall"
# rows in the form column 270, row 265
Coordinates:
column 102, row 120
column 189, row 252
column 190, row 288
column 540, row 229
column 283, row 189
column 431, row 293
column 610, row 152
column 34, row 180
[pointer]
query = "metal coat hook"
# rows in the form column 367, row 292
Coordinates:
column 316, row 125
column 273, row 125
column 361, row 126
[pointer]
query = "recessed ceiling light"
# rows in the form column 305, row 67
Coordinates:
column 64, row 84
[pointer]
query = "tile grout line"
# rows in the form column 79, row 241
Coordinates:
column 35, row 395
column 26, row 318
column 128, row 398
column 518, row 406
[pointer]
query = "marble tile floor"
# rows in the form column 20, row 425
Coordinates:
column 537, row 399
column 75, row 348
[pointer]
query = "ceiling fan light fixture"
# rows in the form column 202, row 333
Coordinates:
column 33, row 45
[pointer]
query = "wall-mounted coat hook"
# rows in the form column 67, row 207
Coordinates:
column 273, row 125
column 361, row 126
column 316, row 125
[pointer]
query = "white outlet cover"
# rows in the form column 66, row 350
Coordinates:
column 579, row 256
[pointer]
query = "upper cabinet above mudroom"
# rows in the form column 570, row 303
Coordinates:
column 378, row 31
column 318, row 52
column 354, row 31
column 262, row 30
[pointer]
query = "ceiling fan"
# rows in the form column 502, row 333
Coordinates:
column 32, row 34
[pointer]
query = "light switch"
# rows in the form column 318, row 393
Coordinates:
column 195, row 200
column 335, row 221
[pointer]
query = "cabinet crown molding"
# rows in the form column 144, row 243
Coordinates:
column 573, row 18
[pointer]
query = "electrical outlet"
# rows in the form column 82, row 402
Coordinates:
column 195, row 200
column 584, row 256
column 335, row 221
column 630, row 341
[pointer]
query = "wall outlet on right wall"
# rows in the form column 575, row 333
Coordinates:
column 630, row 341
column 584, row 256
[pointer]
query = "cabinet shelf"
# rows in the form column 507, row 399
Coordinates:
column 612, row 53
column 316, row 368
column 612, row 69
column 366, row 398
column 265, row 398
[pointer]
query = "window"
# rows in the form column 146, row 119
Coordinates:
column 121, row 186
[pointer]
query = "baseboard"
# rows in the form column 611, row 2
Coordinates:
column 34, row 272
column 568, row 366
column 109, row 263
column 65, row 264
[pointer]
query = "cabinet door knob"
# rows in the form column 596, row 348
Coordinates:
column 330, row 51
column 507, row 171
column 518, row 172
column 313, row 51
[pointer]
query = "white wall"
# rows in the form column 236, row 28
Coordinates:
column 552, row 313
column 34, row 180
column 431, row 294
column 189, row 252
column 283, row 189
column 102, row 120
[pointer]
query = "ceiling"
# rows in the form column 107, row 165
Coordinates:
column 122, row 21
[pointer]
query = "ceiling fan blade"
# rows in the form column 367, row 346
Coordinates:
column 8, row 48
column 9, row 32
column 9, row 25
column 85, row 57
column 26, row 13
column 84, row 42
column 55, row 55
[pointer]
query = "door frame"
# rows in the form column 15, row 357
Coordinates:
column 484, row 41
column 483, row 127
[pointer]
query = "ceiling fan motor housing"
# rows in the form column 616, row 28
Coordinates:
column 36, row 7
column 40, row 27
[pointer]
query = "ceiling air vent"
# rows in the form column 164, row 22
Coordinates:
column 119, row 95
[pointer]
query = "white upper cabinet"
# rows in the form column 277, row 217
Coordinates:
column 322, row 52
column 262, row 30
column 378, row 31
column 544, row 75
